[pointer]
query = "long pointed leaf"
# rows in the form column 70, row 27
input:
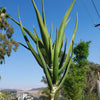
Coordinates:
column 63, row 56
column 61, row 29
column 62, row 45
column 33, row 37
column 29, row 45
column 43, row 29
column 51, row 53
column 56, row 60
column 51, row 31
column 61, row 41
column 45, row 68
column 36, row 34
column 43, row 14
column 66, row 72
column 70, row 47
column 42, row 49
column 50, row 47
column 29, row 33
column 63, row 23
column 23, row 46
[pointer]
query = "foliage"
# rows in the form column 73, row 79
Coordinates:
column 92, row 78
column 90, row 97
column 81, row 52
column 46, row 91
column 44, row 80
column 3, row 96
column 8, row 95
column 75, row 81
column 6, row 41
column 47, row 54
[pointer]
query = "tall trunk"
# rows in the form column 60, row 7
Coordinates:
column 52, row 93
column 52, row 96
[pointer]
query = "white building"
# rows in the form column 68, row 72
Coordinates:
column 25, row 96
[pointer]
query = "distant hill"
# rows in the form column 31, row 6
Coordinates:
column 9, row 90
column 37, row 89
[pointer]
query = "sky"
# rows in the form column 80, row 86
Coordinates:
column 21, row 70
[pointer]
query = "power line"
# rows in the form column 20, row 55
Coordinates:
column 87, row 11
column 95, row 8
column 96, row 25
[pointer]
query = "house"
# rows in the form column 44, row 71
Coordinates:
column 25, row 96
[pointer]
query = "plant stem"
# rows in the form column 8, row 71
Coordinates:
column 52, row 95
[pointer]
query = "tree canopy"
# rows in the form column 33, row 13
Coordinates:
column 75, row 81
column 6, row 41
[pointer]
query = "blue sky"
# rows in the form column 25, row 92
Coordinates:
column 21, row 70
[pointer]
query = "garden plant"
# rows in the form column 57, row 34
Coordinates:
column 47, row 53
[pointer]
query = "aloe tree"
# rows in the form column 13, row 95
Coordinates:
column 47, row 53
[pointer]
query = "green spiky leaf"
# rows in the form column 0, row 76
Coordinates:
column 70, row 47
column 29, row 45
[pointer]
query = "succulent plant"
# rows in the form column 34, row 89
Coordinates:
column 47, row 53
